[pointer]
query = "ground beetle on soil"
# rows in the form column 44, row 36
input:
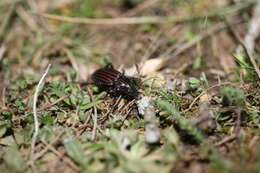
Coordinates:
column 115, row 82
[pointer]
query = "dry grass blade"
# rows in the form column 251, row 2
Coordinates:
column 225, row 140
column 112, row 21
column 216, row 28
column 94, row 131
column 93, row 116
column 150, row 19
column 6, row 19
column 245, row 47
column 187, row 45
column 36, row 123
column 27, row 18
column 204, row 92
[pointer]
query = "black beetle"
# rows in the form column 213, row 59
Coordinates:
column 115, row 82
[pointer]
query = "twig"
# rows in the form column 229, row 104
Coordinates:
column 112, row 108
column 253, row 109
column 54, row 103
column 225, row 140
column 204, row 92
column 151, row 19
column 111, row 21
column 36, row 123
column 127, row 112
column 124, row 107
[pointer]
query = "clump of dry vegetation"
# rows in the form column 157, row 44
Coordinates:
column 196, row 63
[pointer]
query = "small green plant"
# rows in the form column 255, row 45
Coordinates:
column 232, row 97
column 246, row 67
column 173, row 98
column 193, row 84
column 170, row 110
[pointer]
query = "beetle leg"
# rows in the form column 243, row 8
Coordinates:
column 123, row 72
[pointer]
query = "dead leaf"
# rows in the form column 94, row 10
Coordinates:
column 152, row 65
